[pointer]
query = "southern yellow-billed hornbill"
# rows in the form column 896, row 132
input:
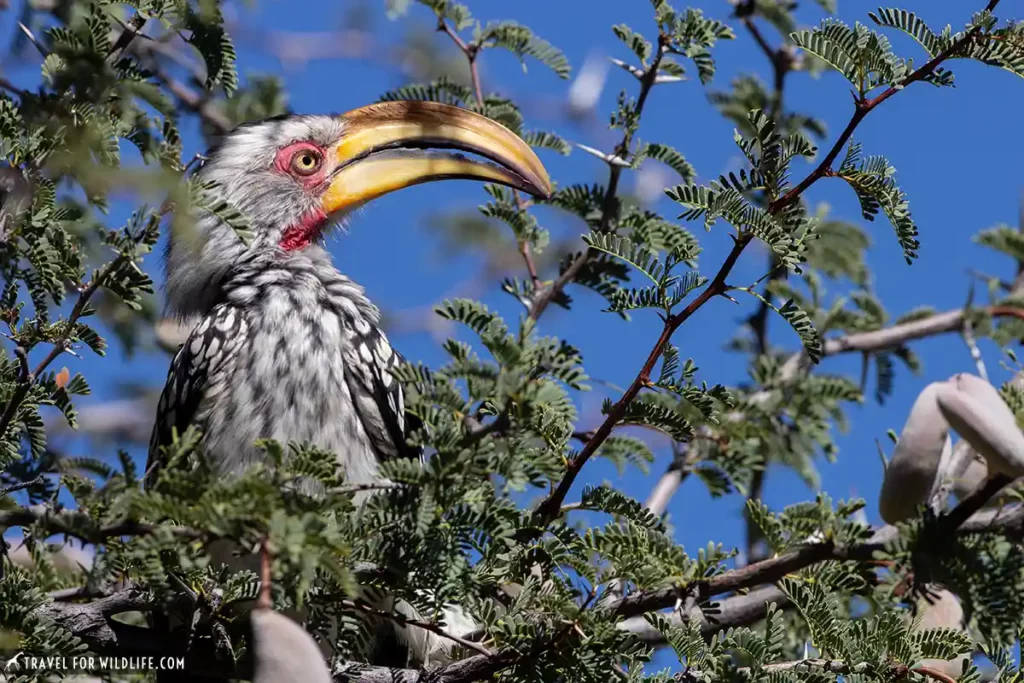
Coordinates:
column 287, row 347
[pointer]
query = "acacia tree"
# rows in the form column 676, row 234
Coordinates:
column 556, row 595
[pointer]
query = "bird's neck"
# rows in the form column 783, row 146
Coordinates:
column 307, row 278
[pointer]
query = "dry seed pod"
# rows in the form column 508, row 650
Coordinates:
column 15, row 200
column 977, row 412
column 284, row 652
column 911, row 473
column 67, row 559
column 943, row 612
column 972, row 478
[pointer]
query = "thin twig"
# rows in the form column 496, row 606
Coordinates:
column 471, row 52
column 194, row 102
column 26, row 372
column 768, row 50
column 80, row 525
column 781, row 66
column 609, row 205
column 128, row 33
column 264, row 601
column 20, row 486
column 10, row 87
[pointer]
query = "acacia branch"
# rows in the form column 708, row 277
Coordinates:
column 471, row 52
column 781, row 66
column 60, row 345
column 92, row 622
column 897, row 335
column 80, row 525
column 769, row 571
column 549, row 508
column 543, row 299
column 733, row 612
column 194, row 102
column 128, row 33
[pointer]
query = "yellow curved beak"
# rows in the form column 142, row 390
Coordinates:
column 391, row 145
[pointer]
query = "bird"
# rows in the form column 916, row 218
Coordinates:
column 284, row 346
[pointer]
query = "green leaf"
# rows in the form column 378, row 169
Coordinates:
column 212, row 41
column 442, row 90
column 654, row 232
column 204, row 196
column 634, row 41
column 651, row 296
column 455, row 12
column 642, row 259
column 626, row 450
column 912, row 25
column 692, row 35
column 671, row 158
column 874, row 180
column 545, row 140
column 646, row 412
column 1004, row 239
column 521, row 41
column 472, row 314
column 612, row 502
column 712, row 203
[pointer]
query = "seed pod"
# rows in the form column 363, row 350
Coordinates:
column 911, row 473
column 284, row 652
column 974, row 475
column 15, row 200
column 943, row 611
column 68, row 559
column 977, row 412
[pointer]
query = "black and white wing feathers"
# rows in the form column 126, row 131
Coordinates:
column 378, row 397
column 212, row 342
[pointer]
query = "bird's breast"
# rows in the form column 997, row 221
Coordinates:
column 288, row 380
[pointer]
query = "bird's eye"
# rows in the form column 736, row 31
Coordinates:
column 306, row 162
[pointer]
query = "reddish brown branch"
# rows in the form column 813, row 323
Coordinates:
column 549, row 508
column 759, row 38
column 471, row 52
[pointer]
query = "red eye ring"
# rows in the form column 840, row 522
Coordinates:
column 306, row 161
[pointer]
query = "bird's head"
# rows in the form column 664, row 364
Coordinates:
column 294, row 176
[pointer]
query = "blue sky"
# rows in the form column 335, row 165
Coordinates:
column 955, row 150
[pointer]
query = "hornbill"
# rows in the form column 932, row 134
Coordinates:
column 286, row 347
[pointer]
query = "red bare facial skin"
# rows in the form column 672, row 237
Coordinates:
column 301, row 234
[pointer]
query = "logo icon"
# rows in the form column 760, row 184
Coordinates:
column 12, row 660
